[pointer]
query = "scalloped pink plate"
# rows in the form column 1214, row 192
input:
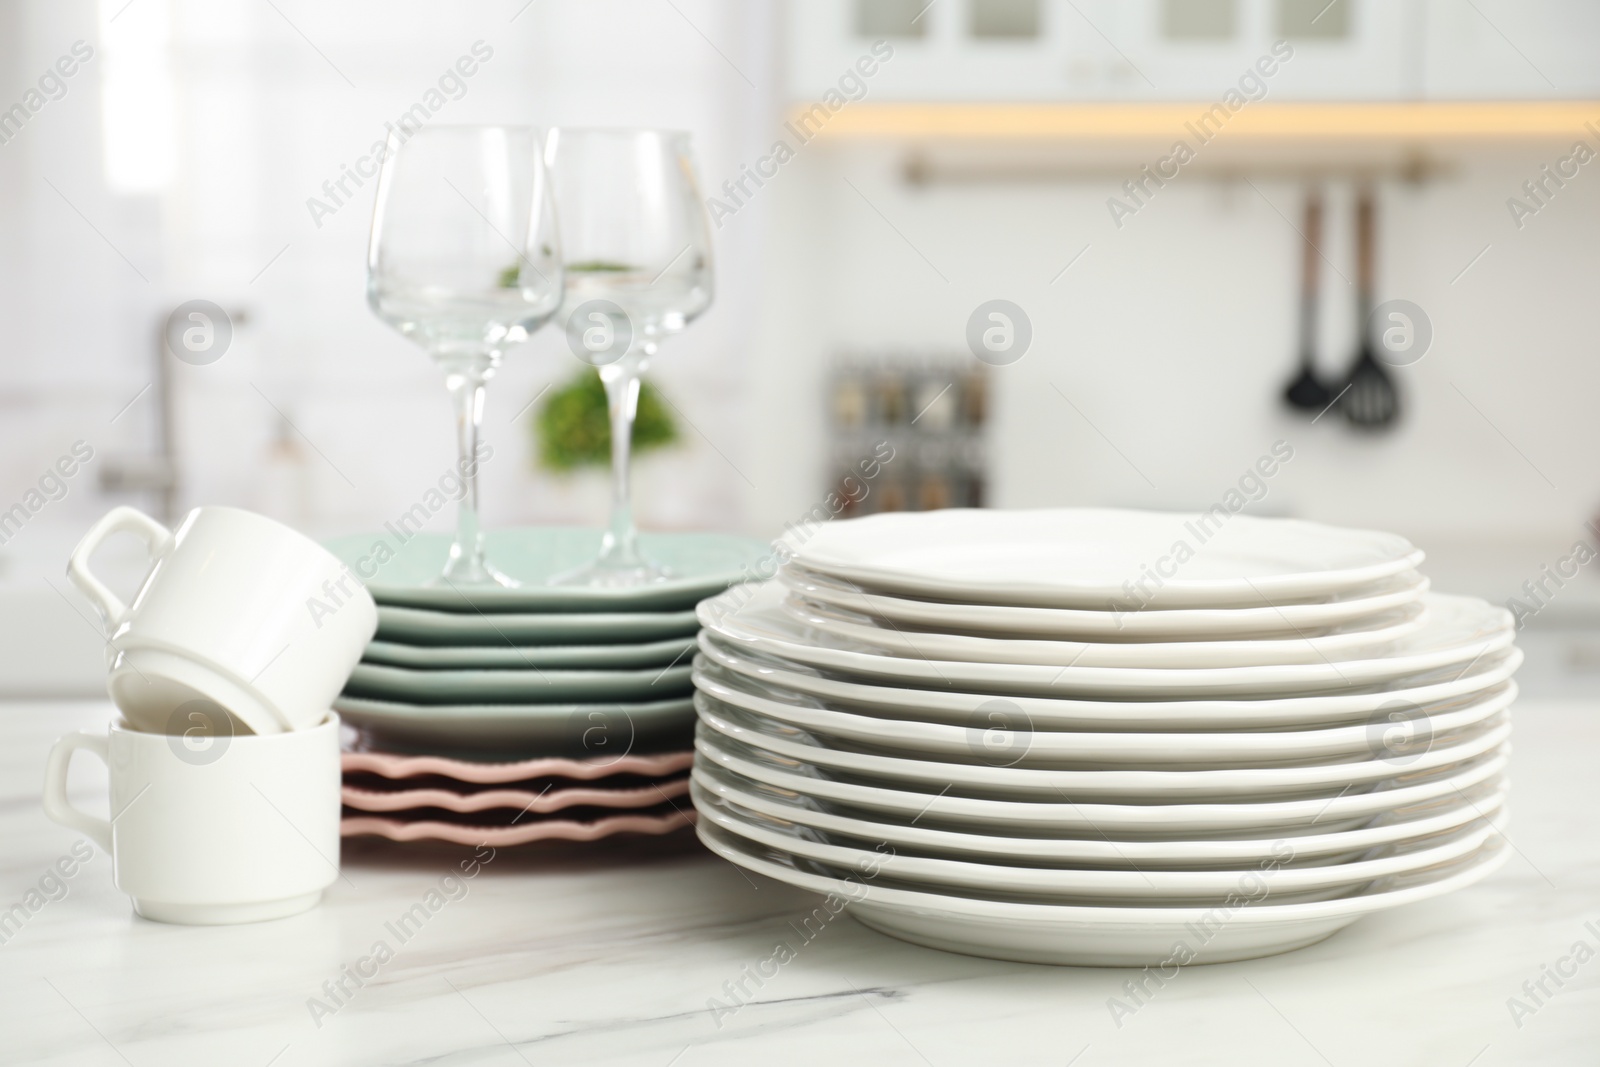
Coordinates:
column 551, row 830
column 393, row 765
column 529, row 801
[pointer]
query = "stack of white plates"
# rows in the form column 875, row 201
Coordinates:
column 1104, row 737
column 508, row 715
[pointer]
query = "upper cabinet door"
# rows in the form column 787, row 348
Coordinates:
column 1511, row 49
column 1145, row 50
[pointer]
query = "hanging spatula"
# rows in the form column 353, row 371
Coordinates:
column 1306, row 392
column 1370, row 399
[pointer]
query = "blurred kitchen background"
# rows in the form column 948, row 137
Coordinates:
column 976, row 161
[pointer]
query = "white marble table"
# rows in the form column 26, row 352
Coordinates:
column 612, row 954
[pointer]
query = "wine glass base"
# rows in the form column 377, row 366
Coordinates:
column 463, row 572
column 601, row 574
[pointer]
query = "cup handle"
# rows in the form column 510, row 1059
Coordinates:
column 152, row 533
column 56, row 805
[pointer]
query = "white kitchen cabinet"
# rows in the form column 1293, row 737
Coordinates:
column 1511, row 49
column 1147, row 50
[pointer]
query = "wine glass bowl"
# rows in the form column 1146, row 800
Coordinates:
column 637, row 248
column 465, row 261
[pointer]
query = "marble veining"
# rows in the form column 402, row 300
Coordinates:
column 650, row 951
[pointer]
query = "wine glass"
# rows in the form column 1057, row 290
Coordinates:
column 637, row 248
column 465, row 261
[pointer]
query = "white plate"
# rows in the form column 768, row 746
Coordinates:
column 1279, row 883
column 1456, row 630
column 853, row 630
column 999, row 736
column 1295, row 620
column 1431, row 690
column 1126, row 776
column 1101, row 936
column 1099, row 557
column 1404, row 824
column 1044, row 817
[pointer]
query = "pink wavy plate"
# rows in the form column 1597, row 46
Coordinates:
column 391, row 765
column 553, row 830
column 528, row 801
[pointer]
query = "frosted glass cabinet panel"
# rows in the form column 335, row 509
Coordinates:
column 1113, row 50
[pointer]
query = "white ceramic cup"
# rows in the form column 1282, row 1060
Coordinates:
column 212, row 829
column 236, row 609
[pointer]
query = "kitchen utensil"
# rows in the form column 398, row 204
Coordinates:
column 638, row 269
column 1101, row 936
column 1078, row 885
column 421, row 626
column 465, row 260
column 1456, row 630
column 1119, row 560
column 522, row 832
column 398, row 767
column 520, row 800
column 1409, row 823
column 656, row 654
column 237, row 614
column 1442, row 688
column 402, row 570
column 1349, row 642
column 1307, row 391
column 608, row 730
column 1371, row 400
column 917, row 741
column 212, row 829
column 530, row 686
column 1296, row 620
column 1154, row 765
column 1064, row 815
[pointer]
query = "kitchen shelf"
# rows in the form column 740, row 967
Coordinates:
column 1376, row 122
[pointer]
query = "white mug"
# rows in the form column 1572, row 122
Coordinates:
column 210, row 828
column 236, row 609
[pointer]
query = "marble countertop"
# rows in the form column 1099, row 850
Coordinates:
column 647, row 952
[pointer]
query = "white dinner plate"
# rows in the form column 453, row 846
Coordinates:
column 1430, row 690
column 1126, row 776
column 1276, row 882
column 998, row 620
column 1456, row 630
column 1000, row 735
column 1099, row 558
column 1099, row 936
column 853, row 630
column 1049, row 817
column 1403, row 824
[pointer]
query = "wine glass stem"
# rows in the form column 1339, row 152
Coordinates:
column 466, row 387
column 621, row 380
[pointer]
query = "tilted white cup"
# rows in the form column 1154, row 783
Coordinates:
column 208, row 828
column 236, row 609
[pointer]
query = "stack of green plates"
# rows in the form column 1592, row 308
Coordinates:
column 497, row 674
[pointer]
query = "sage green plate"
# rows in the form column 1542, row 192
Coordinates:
column 420, row 626
column 702, row 564
column 520, row 731
column 656, row 654
column 516, row 687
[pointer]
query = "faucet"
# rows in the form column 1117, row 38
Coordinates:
column 156, row 474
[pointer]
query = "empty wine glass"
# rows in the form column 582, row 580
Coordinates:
column 465, row 261
column 637, row 248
